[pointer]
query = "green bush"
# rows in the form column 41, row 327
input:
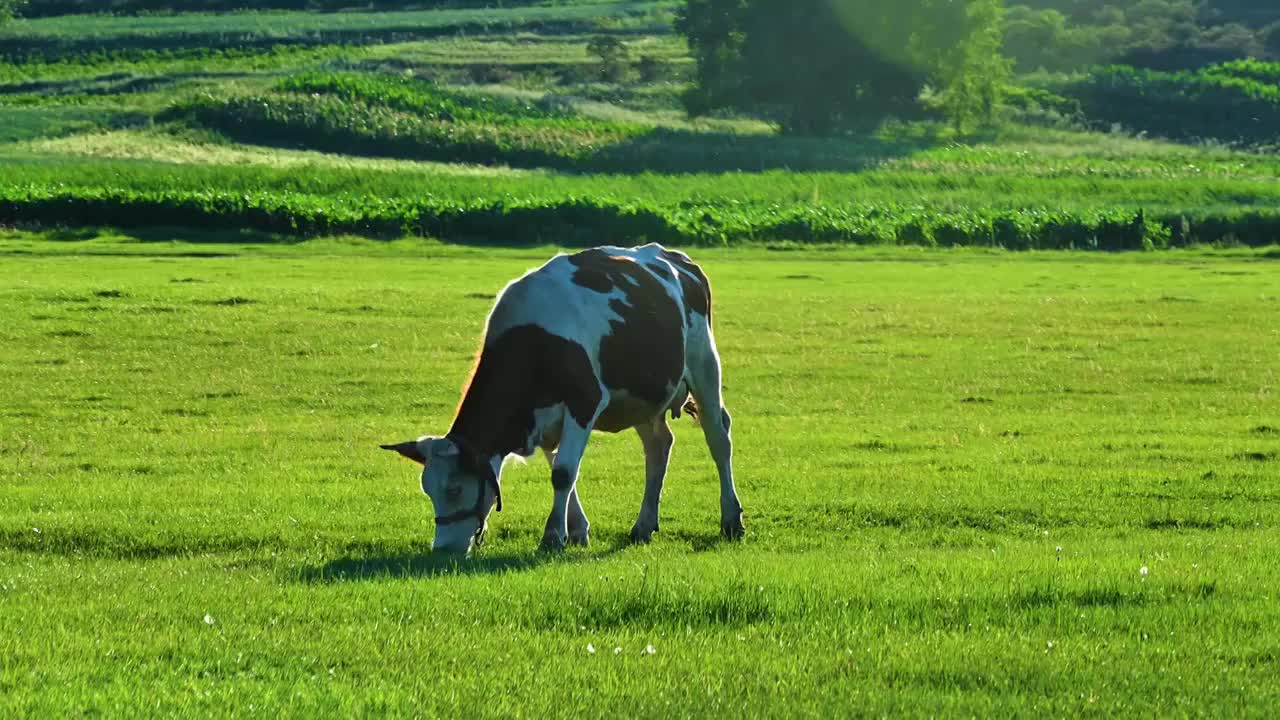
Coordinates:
column 1223, row 102
column 420, row 97
column 1249, row 69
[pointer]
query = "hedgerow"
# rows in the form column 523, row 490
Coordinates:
column 580, row 221
column 344, row 124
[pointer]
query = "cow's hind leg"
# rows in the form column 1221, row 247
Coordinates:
column 714, row 419
column 657, row 440
column 564, row 479
column 579, row 526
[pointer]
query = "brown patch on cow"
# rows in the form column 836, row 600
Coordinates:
column 524, row 369
column 644, row 353
column 601, row 272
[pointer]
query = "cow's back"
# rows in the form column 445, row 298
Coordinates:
column 627, row 310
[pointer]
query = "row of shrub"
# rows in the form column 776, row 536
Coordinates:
column 1234, row 102
column 425, row 99
column 386, row 116
column 335, row 123
column 574, row 221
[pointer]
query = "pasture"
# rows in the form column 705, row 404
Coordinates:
column 976, row 483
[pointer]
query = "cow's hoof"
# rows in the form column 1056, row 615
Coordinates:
column 732, row 529
column 580, row 540
column 641, row 535
column 551, row 543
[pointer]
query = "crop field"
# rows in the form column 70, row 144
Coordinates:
column 313, row 124
column 976, row 484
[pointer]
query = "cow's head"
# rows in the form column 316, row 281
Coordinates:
column 462, row 485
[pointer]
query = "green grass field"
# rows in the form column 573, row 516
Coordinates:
column 976, row 483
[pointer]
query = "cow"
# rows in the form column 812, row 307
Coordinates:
column 602, row 340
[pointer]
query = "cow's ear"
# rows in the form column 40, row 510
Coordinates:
column 410, row 449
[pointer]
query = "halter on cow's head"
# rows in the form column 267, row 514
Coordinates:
column 463, row 487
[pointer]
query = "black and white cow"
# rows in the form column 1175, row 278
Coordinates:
column 606, row 339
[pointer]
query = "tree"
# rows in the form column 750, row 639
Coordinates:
column 814, row 65
column 972, row 72
column 613, row 56
column 9, row 8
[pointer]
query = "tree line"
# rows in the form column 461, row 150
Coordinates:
column 1065, row 35
column 816, row 66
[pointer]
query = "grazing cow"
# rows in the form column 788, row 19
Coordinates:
column 606, row 339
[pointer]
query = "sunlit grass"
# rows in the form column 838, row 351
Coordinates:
column 165, row 147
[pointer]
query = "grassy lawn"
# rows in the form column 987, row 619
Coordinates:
column 976, row 483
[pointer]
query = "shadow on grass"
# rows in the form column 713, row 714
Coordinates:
column 439, row 565
column 110, row 84
column 677, row 151
column 426, row 564
column 171, row 235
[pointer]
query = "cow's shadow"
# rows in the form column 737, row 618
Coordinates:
column 438, row 565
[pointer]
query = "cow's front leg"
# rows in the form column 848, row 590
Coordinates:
column 579, row 527
column 564, row 479
column 657, row 440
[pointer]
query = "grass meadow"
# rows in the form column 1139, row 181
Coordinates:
column 976, row 483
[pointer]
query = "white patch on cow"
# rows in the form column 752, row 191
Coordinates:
column 547, row 425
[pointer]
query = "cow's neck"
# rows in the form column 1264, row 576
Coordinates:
column 494, row 415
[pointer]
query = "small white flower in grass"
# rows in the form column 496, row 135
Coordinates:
column 1059, row 549
column 591, row 649
column 617, row 650
column 208, row 619
column 1046, row 533
column 649, row 650
column 1143, row 571
column 35, row 530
